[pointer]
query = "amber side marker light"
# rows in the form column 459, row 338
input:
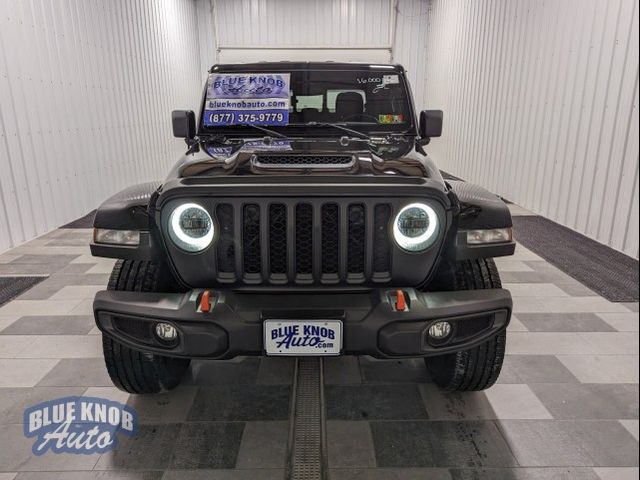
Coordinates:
column 130, row 238
column 492, row 235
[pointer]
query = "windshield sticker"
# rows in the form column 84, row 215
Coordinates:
column 390, row 119
column 390, row 79
column 247, row 99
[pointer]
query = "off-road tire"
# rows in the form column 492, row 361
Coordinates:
column 477, row 368
column 131, row 370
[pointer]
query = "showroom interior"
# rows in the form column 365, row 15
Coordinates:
column 540, row 108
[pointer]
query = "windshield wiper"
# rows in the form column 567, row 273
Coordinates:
column 268, row 131
column 339, row 126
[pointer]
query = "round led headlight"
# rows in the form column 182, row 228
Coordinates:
column 415, row 227
column 191, row 227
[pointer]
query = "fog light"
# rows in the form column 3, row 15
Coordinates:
column 440, row 330
column 166, row 331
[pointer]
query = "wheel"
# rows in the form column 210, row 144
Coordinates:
column 131, row 370
column 479, row 367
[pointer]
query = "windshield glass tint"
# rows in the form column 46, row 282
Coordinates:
column 368, row 101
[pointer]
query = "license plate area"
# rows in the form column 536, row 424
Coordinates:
column 302, row 337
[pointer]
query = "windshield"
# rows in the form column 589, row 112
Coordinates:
column 300, row 101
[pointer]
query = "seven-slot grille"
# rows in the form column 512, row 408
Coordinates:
column 303, row 243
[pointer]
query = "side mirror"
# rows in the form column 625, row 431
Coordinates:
column 430, row 125
column 184, row 124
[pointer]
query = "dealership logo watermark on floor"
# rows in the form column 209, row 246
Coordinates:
column 81, row 425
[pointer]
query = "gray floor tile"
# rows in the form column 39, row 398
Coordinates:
column 16, row 454
column 275, row 371
column 632, row 427
column 440, row 444
column 565, row 473
column 149, row 449
column 576, row 289
column 534, row 369
column 263, row 445
column 539, row 443
column 602, row 368
column 411, row 370
column 589, row 401
column 86, row 475
column 166, row 407
column 342, row 370
column 13, row 401
column 633, row 306
column 215, row 372
column 564, row 322
column 374, row 402
column 207, row 445
column 51, row 325
column 241, row 403
column 500, row 401
column 350, row 444
column 29, row 259
column 251, row 474
column 88, row 372
column 622, row 322
column 389, row 474
column 29, row 269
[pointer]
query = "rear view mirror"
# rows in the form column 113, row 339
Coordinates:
column 184, row 124
column 430, row 125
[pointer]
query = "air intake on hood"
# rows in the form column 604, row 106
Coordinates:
column 304, row 161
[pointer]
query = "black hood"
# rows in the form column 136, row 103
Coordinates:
column 306, row 156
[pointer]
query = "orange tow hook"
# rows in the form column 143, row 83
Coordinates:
column 205, row 301
column 401, row 302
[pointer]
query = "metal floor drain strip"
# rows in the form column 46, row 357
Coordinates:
column 307, row 459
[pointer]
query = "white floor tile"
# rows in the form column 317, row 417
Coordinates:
column 617, row 473
column 77, row 292
column 6, row 320
column 612, row 343
column 566, row 305
column 111, row 393
column 602, row 368
column 64, row 346
column 39, row 307
column 12, row 345
column 547, row 343
column 24, row 372
column 514, row 401
column 534, row 290
column 508, row 264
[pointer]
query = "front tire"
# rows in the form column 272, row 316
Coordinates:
column 131, row 370
column 477, row 368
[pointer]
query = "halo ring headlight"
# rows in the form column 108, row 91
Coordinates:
column 415, row 227
column 191, row 227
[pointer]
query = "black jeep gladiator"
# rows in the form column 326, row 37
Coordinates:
column 304, row 219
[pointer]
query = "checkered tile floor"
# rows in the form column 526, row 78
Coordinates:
column 566, row 405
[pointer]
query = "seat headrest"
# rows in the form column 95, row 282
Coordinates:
column 349, row 103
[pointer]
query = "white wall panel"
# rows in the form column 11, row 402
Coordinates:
column 250, row 30
column 541, row 105
column 86, row 91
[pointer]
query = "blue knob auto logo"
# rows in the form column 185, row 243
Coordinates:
column 83, row 425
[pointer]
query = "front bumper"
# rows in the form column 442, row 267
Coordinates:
column 371, row 323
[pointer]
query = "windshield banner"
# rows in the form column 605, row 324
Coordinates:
column 247, row 98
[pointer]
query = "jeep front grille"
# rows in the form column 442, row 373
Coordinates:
column 304, row 161
column 303, row 243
